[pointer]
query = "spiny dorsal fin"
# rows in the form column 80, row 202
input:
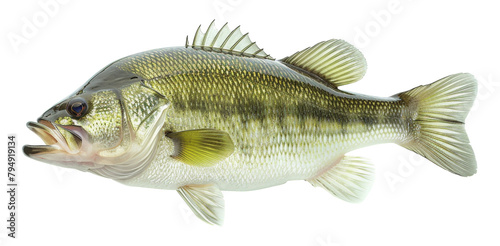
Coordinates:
column 226, row 41
column 336, row 61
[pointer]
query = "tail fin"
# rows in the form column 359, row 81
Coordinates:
column 438, row 133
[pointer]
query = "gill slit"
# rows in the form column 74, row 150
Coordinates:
column 126, row 117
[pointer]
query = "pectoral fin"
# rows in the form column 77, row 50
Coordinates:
column 202, row 147
column 349, row 180
column 206, row 201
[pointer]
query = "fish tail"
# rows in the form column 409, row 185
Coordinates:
column 438, row 112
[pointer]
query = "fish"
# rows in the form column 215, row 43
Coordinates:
column 220, row 114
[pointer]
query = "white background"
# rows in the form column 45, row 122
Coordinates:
column 406, row 44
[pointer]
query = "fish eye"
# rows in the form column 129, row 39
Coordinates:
column 77, row 107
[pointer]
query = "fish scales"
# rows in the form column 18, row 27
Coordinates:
column 285, row 124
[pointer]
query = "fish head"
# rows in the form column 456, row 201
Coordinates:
column 111, row 126
column 80, row 132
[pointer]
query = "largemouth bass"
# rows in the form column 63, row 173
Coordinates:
column 222, row 114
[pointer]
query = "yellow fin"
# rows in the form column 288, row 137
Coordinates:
column 202, row 147
column 335, row 61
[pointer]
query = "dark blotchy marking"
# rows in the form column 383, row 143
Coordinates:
column 252, row 109
column 248, row 109
column 179, row 105
column 254, row 89
column 369, row 120
column 280, row 114
column 340, row 118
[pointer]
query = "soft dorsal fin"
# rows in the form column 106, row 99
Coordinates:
column 336, row 61
column 227, row 41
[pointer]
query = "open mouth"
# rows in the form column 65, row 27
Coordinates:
column 57, row 138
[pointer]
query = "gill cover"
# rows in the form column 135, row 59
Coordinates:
column 144, row 113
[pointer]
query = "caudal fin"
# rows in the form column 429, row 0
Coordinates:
column 438, row 132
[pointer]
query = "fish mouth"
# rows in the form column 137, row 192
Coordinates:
column 56, row 137
column 65, row 146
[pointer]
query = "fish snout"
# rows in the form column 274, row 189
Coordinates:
column 68, row 139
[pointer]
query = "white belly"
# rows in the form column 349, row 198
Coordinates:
column 240, row 172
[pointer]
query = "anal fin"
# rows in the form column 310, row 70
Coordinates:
column 349, row 180
column 206, row 202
